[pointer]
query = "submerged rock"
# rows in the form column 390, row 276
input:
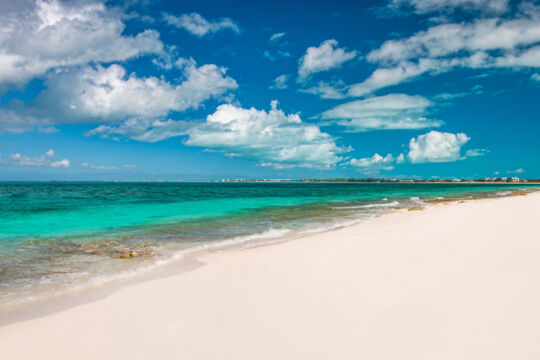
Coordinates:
column 114, row 249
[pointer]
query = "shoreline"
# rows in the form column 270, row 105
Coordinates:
column 322, row 282
column 188, row 260
column 524, row 182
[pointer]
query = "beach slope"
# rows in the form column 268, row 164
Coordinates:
column 454, row 281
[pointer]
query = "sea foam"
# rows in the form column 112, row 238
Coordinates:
column 369, row 206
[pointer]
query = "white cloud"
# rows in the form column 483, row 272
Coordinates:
column 280, row 82
column 199, row 26
column 273, row 138
column 60, row 163
column 389, row 112
column 109, row 94
column 384, row 77
column 325, row 90
column 165, row 60
column 274, row 56
column 276, row 40
column 14, row 122
column 39, row 161
column 276, row 36
column 476, row 152
column 484, row 43
column 427, row 6
column 517, row 171
column 375, row 162
column 98, row 167
column 145, row 121
column 44, row 35
column 143, row 129
column 436, row 147
column 475, row 90
column 324, row 57
column 105, row 167
column 450, row 39
column 431, row 147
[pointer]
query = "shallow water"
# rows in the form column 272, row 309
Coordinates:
column 58, row 236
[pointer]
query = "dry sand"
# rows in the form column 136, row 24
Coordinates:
column 454, row 281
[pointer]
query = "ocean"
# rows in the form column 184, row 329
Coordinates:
column 59, row 237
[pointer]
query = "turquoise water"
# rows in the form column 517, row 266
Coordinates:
column 53, row 235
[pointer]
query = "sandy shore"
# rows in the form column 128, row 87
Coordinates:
column 454, row 281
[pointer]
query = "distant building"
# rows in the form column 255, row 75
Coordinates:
column 502, row 179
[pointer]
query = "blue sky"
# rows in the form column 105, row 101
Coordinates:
column 147, row 90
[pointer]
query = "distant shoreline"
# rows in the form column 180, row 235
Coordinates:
column 285, row 181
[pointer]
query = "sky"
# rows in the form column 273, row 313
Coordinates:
column 208, row 90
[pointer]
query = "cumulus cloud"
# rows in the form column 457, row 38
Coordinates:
column 377, row 162
column 199, row 26
column 45, row 160
column 428, row 6
column 389, row 112
column 43, row 35
column 432, row 147
column 481, row 44
column 60, row 163
column 517, row 171
column 280, row 82
column 111, row 93
column 323, row 57
column 436, row 147
column 273, row 138
column 108, row 94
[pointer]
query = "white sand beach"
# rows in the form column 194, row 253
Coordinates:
column 454, row 281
